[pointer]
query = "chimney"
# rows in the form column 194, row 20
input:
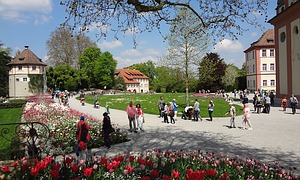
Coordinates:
column 26, row 47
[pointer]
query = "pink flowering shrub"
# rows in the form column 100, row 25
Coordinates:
column 62, row 122
column 148, row 165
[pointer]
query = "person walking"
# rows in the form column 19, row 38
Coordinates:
column 258, row 104
column 175, row 109
column 294, row 103
column 272, row 96
column 246, row 117
column 131, row 112
column 161, row 107
column 165, row 113
column 171, row 112
column 268, row 104
column 210, row 109
column 197, row 111
column 284, row 103
column 82, row 136
column 232, row 113
column 107, row 129
column 140, row 117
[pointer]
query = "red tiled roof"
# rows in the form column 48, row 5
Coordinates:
column 130, row 76
column 26, row 57
column 267, row 39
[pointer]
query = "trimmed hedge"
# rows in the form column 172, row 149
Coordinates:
column 17, row 103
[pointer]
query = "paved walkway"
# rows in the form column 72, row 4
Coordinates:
column 274, row 136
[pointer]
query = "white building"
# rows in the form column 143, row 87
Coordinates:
column 20, row 68
column 135, row 80
column 260, row 63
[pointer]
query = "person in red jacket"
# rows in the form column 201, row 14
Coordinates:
column 82, row 136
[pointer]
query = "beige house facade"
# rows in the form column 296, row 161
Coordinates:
column 260, row 63
column 135, row 81
column 287, row 37
column 20, row 68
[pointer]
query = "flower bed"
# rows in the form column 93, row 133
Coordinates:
column 189, row 165
column 62, row 121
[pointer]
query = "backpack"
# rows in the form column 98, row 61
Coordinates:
column 84, row 133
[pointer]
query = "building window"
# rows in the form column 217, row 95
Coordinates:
column 24, row 79
column 248, row 83
column 264, row 82
column 282, row 36
column 296, row 29
column 253, row 83
column 20, row 68
column 33, row 68
column 253, row 69
column 264, row 53
column 272, row 52
column 272, row 82
column 264, row 67
column 252, row 54
column 272, row 67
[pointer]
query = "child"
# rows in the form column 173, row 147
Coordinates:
column 82, row 101
column 246, row 117
column 283, row 103
column 232, row 115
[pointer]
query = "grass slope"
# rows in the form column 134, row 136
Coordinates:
column 149, row 102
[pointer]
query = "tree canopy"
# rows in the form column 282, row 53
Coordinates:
column 218, row 17
column 99, row 67
column 4, row 60
column 65, row 48
column 211, row 71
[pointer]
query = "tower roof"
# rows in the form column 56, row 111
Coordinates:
column 26, row 57
column 267, row 39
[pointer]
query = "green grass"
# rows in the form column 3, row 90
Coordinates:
column 10, row 115
column 149, row 102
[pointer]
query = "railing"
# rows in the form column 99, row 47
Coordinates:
column 25, row 137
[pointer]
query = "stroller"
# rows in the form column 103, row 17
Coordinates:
column 187, row 113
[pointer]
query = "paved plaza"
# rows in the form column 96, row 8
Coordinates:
column 274, row 136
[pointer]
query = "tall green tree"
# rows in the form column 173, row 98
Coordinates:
column 147, row 68
column 186, row 45
column 99, row 67
column 62, row 77
column 229, row 80
column 65, row 48
column 211, row 70
column 4, row 74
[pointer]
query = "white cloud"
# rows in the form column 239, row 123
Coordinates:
column 131, row 52
column 109, row 45
column 228, row 46
column 152, row 52
column 125, row 62
column 25, row 10
column 253, row 34
column 97, row 26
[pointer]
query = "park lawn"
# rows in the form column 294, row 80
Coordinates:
column 10, row 115
column 149, row 102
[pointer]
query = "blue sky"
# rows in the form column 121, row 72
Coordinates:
column 30, row 22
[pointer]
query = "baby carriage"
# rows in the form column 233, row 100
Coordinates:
column 187, row 113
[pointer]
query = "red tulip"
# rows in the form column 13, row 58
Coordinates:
column 34, row 171
column 154, row 173
column 54, row 174
column 175, row 174
column 75, row 168
column 87, row 172
column 5, row 168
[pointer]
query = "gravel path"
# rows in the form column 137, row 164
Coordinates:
column 274, row 136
